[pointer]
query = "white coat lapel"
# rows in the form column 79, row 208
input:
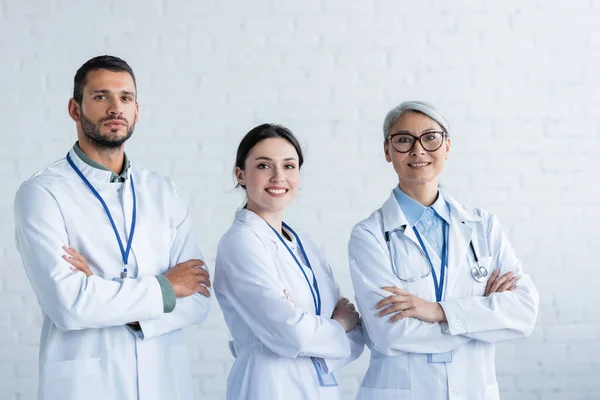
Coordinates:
column 395, row 220
column 461, row 230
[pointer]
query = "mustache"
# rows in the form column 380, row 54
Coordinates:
column 114, row 118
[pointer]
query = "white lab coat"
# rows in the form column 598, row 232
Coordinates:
column 86, row 349
column 398, row 367
column 275, row 332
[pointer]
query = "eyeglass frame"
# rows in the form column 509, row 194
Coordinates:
column 417, row 138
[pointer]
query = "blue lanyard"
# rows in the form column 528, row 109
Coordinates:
column 124, row 251
column 439, row 286
column 314, row 288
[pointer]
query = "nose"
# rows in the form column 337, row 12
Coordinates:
column 417, row 149
column 277, row 175
column 115, row 108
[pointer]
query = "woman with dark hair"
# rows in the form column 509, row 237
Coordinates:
column 291, row 327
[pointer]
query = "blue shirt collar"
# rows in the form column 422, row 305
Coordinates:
column 413, row 210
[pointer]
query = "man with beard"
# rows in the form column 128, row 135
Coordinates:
column 109, row 250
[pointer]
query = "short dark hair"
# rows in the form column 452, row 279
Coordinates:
column 110, row 63
column 260, row 133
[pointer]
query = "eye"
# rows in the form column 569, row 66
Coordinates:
column 100, row 97
column 263, row 166
column 289, row 166
column 127, row 99
column 403, row 139
column 430, row 137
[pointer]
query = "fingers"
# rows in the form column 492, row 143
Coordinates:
column 74, row 254
column 203, row 277
column 490, row 282
column 394, row 289
column 76, row 260
column 342, row 302
column 409, row 313
column 391, row 300
column 393, row 309
column 193, row 263
column 508, row 284
column 204, row 291
column 500, row 281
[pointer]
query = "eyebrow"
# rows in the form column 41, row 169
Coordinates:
column 270, row 159
column 106, row 91
column 422, row 132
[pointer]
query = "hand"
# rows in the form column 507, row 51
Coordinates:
column 407, row 305
column 78, row 262
column 345, row 313
column 188, row 278
column 496, row 284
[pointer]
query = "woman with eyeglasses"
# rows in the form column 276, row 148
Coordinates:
column 291, row 328
column 437, row 283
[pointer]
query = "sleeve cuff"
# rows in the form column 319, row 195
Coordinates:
column 168, row 294
column 457, row 323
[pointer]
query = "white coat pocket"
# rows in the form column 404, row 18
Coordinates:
column 480, row 285
column 73, row 380
column 152, row 249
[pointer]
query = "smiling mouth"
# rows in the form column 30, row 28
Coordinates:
column 419, row 164
column 277, row 192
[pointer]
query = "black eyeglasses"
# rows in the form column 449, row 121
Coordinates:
column 430, row 141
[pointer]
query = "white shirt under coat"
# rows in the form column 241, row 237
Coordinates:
column 270, row 312
column 86, row 349
column 398, row 366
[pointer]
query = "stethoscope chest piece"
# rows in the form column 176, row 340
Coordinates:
column 479, row 273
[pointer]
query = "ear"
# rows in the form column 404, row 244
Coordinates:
column 74, row 109
column 447, row 147
column 386, row 150
column 240, row 176
column 137, row 112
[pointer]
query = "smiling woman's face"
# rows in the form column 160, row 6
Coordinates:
column 271, row 175
column 418, row 166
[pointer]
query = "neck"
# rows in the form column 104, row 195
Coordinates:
column 426, row 193
column 112, row 159
column 272, row 218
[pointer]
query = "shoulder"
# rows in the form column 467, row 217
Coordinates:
column 479, row 217
column 42, row 184
column 239, row 237
column 153, row 180
column 49, row 176
column 372, row 225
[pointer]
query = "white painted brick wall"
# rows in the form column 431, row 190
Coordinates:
column 518, row 80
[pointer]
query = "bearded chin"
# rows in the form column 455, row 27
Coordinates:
column 104, row 142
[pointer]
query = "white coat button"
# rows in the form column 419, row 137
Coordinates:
column 429, row 222
column 435, row 245
column 457, row 325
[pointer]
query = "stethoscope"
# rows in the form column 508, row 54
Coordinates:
column 478, row 272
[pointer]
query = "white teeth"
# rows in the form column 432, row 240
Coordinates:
column 421, row 164
column 276, row 191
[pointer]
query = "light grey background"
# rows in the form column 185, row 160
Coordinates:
column 518, row 81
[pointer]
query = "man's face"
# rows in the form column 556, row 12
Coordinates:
column 108, row 110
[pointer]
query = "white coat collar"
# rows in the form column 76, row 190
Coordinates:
column 92, row 174
column 394, row 218
column 258, row 224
